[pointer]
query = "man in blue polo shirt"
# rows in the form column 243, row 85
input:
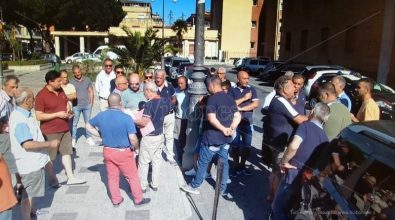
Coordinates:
column 155, row 109
column 222, row 121
column 246, row 101
column 283, row 119
column 167, row 92
column 120, row 142
column 297, row 154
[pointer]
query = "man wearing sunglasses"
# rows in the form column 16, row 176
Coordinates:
column 103, row 83
column 133, row 97
column 119, row 71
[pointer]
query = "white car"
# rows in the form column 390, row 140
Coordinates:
column 105, row 50
column 310, row 80
column 73, row 57
column 86, row 57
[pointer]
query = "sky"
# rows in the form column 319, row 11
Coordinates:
column 180, row 7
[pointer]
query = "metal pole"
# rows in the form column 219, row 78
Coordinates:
column 218, row 181
column 196, row 90
column 163, row 34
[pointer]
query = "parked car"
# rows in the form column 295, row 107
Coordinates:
column 105, row 51
column 52, row 58
column 6, row 57
column 75, row 56
column 241, row 63
column 304, row 69
column 271, row 66
column 174, row 63
column 362, row 186
column 383, row 95
column 91, row 57
column 254, row 66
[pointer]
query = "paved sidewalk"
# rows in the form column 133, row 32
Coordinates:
column 90, row 201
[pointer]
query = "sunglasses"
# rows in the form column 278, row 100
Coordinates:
column 148, row 77
column 108, row 65
column 134, row 84
column 119, row 72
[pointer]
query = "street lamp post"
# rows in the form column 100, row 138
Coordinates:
column 197, row 89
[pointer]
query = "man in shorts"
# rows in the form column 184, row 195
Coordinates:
column 53, row 112
column 29, row 149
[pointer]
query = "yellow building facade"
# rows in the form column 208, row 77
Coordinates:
column 232, row 19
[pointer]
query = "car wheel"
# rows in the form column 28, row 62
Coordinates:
column 68, row 61
column 264, row 76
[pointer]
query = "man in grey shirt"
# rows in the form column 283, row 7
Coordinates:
column 83, row 104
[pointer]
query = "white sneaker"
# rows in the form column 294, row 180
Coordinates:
column 73, row 142
column 75, row 181
column 191, row 172
column 90, row 141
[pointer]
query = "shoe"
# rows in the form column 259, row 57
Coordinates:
column 155, row 188
column 38, row 212
column 56, row 185
column 75, row 181
column 74, row 150
column 116, row 205
column 227, row 196
column 90, row 141
column 73, row 143
column 144, row 190
column 143, row 202
column 191, row 172
column 189, row 189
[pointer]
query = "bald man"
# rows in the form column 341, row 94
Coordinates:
column 120, row 142
column 247, row 100
column 133, row 97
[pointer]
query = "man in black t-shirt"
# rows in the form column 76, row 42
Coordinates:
column 222, row 120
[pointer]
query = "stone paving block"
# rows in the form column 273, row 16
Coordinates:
column 137, row 215
column 95, row 154
column 64, row 216
column 87, row 170
column 77, row 190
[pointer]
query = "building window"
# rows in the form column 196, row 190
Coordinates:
column 324, row 40
column 303, row 40
column 288, row 41
column 253, row 24
column 350, row 40
column 255, row 2
column 252, row 45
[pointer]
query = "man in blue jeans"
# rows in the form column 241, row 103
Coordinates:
column 308, row 136
column 83, row 103
column 222, row 120
column 246, row 100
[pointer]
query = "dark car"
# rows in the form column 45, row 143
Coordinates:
column 52, row 58
column 354, row 176
column 174, row 63
column 271, row 66
column 383, row 95
column 273, row 74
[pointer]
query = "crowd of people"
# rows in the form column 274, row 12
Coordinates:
column 152, row 117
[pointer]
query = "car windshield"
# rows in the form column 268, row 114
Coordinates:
column 382, row 88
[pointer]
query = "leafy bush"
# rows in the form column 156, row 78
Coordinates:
column 4, row 66
column 25, row 62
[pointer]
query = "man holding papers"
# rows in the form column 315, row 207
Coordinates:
column 151, row 144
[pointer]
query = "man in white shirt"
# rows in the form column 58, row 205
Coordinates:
column 103, row 84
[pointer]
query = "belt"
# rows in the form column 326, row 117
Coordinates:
column 102, row 98
column 153, row 134
column 118, row 149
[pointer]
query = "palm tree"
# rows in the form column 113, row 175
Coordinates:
column 141, row 50
column 180, row 26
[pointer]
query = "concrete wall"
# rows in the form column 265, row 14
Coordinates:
column 268, row 28
column 356, row 27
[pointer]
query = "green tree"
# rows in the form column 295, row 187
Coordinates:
column 180, row 26
column 98, row 15
column 141, row 49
